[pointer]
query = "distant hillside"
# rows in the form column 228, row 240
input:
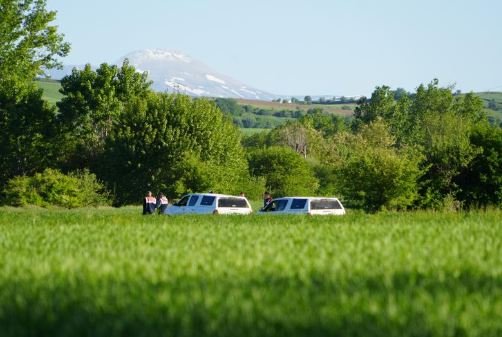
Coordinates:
column 338, row 109
column 51, row 90
column 493, row 105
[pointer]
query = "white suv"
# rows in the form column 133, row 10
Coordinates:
column 304, row 205
column 209, row 203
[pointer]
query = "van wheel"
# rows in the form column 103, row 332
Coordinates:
column 215, row 212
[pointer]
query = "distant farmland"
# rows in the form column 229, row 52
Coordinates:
column 338, row 109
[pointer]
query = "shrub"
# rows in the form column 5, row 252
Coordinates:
column 53, row 188
column 285, row 172
column 372, row 174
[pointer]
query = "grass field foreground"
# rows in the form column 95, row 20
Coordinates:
column 113, row 272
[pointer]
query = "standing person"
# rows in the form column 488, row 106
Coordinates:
column 242, row 194
column 162, row 203
column 267, row 198
column 149, row 204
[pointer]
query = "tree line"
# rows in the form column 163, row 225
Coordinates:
column 113, row 134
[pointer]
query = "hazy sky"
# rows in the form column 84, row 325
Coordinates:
column 302, row 47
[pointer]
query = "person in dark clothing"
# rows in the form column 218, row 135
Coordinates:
column 267, row 199
column 149, row 204
column 162, row 203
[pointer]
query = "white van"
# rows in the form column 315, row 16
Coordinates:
column 209, row 203
column 304, row 205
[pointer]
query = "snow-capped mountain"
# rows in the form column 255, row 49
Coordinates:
column 174, row 71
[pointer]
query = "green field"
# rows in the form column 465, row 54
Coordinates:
column 113, row 272
column 251, row 131
column 51, row 90
column 337, row 109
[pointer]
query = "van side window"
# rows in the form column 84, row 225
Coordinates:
column 325, row 204
column 276, row 206
column 207, row 200
column 298, row 203
column 183, row 201
column 232, row 202
column 193, row 200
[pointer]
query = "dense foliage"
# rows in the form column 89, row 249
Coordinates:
column 175, row 144
column 113, row 272
column 370, row 172
column 53, row 188
column 285, row 172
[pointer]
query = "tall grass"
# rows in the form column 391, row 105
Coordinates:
column 113, row 272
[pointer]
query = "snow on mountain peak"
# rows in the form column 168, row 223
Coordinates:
column 159, row 55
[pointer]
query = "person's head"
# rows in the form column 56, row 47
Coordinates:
column 149, row 193
column 241, row 194
column 266, row 194
column 161, row 194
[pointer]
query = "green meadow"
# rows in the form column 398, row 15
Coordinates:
column 113, row 272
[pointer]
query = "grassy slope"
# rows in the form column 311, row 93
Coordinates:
column 112, row 272
column 51, row 90
column 497, row 96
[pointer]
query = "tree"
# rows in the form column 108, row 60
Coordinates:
column 437, row 121
column 492, row 104
column 28, row 43
column 370, row 173
column 28, row 135
column 92, row 103
column 308, row 99
column 174, row 144
column 380, row 105
column 399, row 93
column 480, row 183
column 285, row 172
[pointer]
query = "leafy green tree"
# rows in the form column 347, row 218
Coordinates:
column 28, row 43
column 480, row 183
column 326, row 124
column 308, row 99
column 285, row 172
column 370, row 173
column 437, row 121
column 175, row 144
column 92, row 103
column 28, row 133
column 380, row 105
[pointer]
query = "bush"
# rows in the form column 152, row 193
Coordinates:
column 371, row 173
column 285, row 172
column 53, row 188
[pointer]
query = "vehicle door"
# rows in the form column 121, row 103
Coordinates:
column 298, row 206
column 180, row 206
column 207, row 204
column 191, row 207
column 277, row 206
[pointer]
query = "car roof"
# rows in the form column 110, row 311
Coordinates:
column 310, row 198
column 216, row 195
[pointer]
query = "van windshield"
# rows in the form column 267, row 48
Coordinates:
column 325, row 204
column 232, row 202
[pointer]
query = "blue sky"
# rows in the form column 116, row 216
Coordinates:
column 302, row 47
